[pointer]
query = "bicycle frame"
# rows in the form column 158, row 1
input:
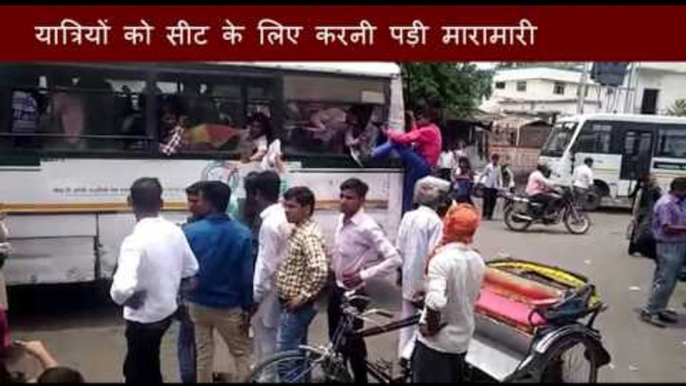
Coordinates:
column 345, row 331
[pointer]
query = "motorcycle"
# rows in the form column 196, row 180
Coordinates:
column 520, row 213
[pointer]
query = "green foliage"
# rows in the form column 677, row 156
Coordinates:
column 456, row 87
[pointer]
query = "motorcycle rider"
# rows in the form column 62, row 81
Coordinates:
column 540, row 189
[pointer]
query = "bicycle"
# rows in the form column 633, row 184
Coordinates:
column 326, row 363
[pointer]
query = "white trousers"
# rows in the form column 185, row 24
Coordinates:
column 407, row 335
column 264, row 344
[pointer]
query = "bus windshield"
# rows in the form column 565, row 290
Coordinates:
column 559, row 139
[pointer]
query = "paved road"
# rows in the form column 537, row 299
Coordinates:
column 84, row 330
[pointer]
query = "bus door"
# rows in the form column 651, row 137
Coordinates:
column 637, row 151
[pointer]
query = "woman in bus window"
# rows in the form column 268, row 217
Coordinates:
column 264, row 148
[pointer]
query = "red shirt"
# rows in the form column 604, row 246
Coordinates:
column 428, row 139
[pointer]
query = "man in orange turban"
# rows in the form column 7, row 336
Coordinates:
column 454, row 275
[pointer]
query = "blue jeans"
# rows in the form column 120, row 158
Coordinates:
column 415, row 166
column 293, row 328
column 185, row 346
column 670, row 260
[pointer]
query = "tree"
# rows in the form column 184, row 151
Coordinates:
column 678, row 108
column 455, row 87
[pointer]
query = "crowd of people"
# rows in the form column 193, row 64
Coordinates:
column 206, row 275
column 260, row 288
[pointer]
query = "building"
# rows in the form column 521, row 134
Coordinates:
column 518, row 140
column 541, row 91
column 649, row 88
column 654, row 87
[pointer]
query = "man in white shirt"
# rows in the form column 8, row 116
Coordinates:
column 419, row 233
column 358, row 240
column 152, row 261
column 582, row 181
column 273, row 241
column 455, row 273
column 491, row 180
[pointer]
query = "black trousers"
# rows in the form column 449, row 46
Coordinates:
column 355, row 350
column 143, row 340
column 548, row 200
column 431, row 366
column 490, row 200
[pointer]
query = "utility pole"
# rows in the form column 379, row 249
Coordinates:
column 582, row 89
column 631, row 91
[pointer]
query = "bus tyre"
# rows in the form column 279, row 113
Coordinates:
column 591, row 202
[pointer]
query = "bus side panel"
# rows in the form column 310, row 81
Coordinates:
column 384, row 197
column 666, row 169
column 72, row 205
column 113, row 228
column 51, row 249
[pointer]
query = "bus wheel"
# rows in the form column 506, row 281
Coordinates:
column 592, row 199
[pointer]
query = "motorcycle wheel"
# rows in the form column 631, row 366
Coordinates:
column 513, row 222
column 577, row 222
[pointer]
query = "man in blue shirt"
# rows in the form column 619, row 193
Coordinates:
column 186, row 339
column 222, row 296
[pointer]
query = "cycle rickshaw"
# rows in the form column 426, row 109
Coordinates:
column 534, row 323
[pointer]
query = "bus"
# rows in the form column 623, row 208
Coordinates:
column 74, row 136
column 624, row 147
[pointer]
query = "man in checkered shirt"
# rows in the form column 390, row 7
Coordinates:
column 301, row 277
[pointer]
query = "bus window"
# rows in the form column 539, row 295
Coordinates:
column 325, row 114
column 671, row 142
column 210, row 114
column 594, row 138
column 73, row 109
column 559, row 139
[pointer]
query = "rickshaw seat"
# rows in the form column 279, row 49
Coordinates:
column 510, row 299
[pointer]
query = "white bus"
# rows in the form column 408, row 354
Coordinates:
column 624, row 148
column 74, row 136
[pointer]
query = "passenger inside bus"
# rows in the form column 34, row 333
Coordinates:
column 171, row 128
column 67, row 113
column 363, row 131
column 263, row 147
column 330, row 129
column 99, row 104
column 25, row 110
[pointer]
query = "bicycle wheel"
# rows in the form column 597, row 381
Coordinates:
column 575, row 359
column 300, row 366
